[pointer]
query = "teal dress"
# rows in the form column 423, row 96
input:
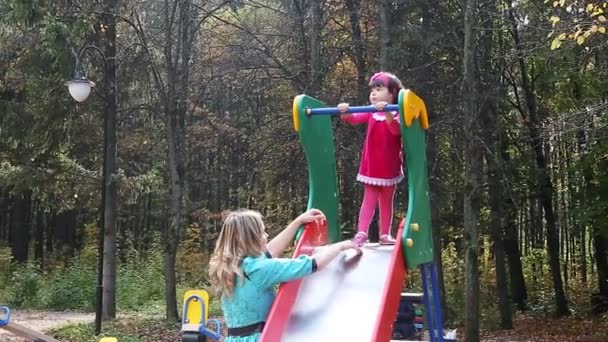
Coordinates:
column 252, row 298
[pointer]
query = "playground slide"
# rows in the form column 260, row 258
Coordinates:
column 351, row 288
column 354, row 298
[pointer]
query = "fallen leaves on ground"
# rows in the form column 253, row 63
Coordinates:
column 542, row 329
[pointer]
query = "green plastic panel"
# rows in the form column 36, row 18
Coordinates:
column 317, row 138
column 419, row 249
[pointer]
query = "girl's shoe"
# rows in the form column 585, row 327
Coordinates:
column 360, row 238
column 386, row 239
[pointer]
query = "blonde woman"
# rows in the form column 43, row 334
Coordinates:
column 245, row 267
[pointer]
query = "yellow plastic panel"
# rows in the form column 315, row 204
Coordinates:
column 193, row 316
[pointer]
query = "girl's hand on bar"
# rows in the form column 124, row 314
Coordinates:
column 380, row 105
column 343, row 107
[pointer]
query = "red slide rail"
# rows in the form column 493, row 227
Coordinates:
column 314, row 235
column 391, row 295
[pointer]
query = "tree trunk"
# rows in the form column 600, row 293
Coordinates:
column 50, row 232
column 600, row 243
column 178, row 78
column 491, row 128
column 170, row 284
column 577, row 185
column 473, row 165
column 544, row 183
column 497, row 220
column 315, row 47
column 354, row 14
column 519, row 292
column 584, row 193
column 39, row 237
column 347, row 160
column 601, row 261
column 173, row 229
column 497, row 224
column 21, row 226
column 111, row 196
column 385, row 34
column 4, row 214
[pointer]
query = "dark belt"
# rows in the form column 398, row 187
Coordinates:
column 247, row 330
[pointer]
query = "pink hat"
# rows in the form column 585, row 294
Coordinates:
column 382, row 76
column 388, row 80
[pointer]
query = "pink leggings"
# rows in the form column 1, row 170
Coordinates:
column 383, row 195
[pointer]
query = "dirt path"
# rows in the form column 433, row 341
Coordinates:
column 43, row 321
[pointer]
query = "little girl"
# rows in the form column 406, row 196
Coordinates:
column 244, row 269
column 381, row 160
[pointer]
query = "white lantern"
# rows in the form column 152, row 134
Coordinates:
column 80, row 87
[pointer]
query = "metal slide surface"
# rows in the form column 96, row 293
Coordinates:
column 342, row 301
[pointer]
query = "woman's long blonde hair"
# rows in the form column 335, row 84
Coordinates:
column 242, row 235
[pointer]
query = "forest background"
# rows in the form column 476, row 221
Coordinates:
column 191, row 116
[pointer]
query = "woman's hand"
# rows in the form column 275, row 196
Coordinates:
column 279, row 244
column 310, row 216
column 349, row 244
column 325, row 255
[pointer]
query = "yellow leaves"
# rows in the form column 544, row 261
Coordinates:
column 580, row 40
column 557, row 41
column 583, row 20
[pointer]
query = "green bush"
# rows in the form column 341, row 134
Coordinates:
column 23, row 286
column 453, row 273
column 140, row 286
column 71, row 289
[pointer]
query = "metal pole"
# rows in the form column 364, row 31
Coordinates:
column 98, row 304
column 102, row 207
column 104, row 181
column 353, row 109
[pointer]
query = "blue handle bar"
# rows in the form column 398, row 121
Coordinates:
column 353, row 109
column 202, row 325
column 7, row 316
column 217, row 334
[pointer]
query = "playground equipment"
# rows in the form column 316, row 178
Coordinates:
column 195, row 318
column 20, row 330
column 194, row 322
column 356, row 298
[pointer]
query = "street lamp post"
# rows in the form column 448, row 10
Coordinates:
column 79, row 88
